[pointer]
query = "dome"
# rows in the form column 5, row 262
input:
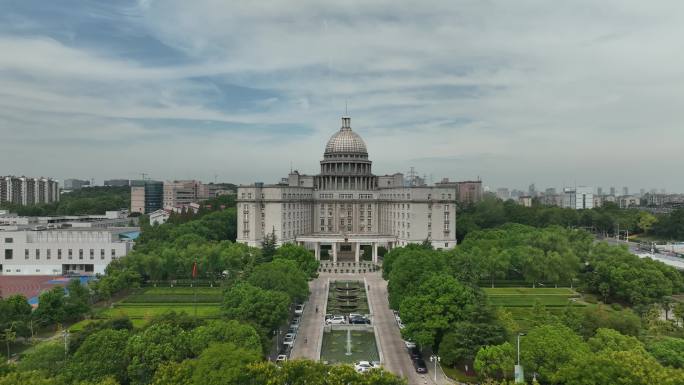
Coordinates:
column 345, row 141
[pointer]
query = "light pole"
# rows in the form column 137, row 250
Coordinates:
column 519, row 375
column 435, row 358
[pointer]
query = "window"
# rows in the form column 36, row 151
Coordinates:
column 71, row 253
column 48, row 253
column 80, row 253
column 59, row 253
column 9, row 240
column 37, row 253
column 102, row 254
column 8, row 253
column 446, row 244
column 26, row 254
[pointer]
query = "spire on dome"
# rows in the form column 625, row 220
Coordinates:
column 346, row 123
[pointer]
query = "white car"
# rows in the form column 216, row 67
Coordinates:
column 336, row 320
column 288, row 341
column 410, row 344
column 281, row 358
column 299, row 309
column 289, row 336
column 363, row 366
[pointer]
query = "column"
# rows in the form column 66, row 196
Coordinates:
column 334, row 251
column 357, row 252
column 317, row 250
column 375, row 252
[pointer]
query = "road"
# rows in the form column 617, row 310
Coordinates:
column 395, row 356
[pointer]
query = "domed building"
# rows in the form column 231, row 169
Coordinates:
column 345, row 213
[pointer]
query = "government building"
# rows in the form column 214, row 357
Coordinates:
column 346, row 211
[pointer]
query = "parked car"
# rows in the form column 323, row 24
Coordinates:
column 281, row 358
column 415, row 353
column 327, row 316
column 296, row 320
column 336, row 320
column 288, row 341
column 289, row 336
column 363, row 366
column 299, row 309
column 420, row 366
column 410, row 344
column 294, row 326
column 359, row 320
column 354, row 315
column 292, row 330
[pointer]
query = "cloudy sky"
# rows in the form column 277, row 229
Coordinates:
column 515, row 92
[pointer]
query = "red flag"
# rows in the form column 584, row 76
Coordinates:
column 194, row 270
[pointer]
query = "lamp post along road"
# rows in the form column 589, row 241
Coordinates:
column 519, row 375
column 435, row 358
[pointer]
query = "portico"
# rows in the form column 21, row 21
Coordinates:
column 349, row 245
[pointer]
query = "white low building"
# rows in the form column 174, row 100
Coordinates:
column 346, row 206
column 27, row 251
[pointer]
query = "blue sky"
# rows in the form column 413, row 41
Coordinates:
column 576, row 92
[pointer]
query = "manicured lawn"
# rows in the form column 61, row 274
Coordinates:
column 142, row 312
column 525, row 296
column 175, row 295
column 361, row 346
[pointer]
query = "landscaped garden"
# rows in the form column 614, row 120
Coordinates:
column 346, row 297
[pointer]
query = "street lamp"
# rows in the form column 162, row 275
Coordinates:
column 519, row 375
column 435, row 358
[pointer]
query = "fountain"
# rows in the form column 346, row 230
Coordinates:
column 349, row 352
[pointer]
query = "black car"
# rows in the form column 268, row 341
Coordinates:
column 359, row 320
column 420, row 366
column 415, row 354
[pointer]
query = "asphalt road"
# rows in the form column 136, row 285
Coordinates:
column 395, row 356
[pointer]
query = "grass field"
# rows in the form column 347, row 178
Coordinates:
column 525, row 296
column 520, row 301
column 150, row 302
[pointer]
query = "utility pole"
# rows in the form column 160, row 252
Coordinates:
column 519, row 375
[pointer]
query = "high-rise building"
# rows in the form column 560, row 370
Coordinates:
column 503, row 193
column 532, row 190
column 75, row 184
column 599, row 191
column 146, row 196
column 117, row 182
column 550, row 191
column 612, row 191
column 625, row 191
column 578, row 198
column 28, row 191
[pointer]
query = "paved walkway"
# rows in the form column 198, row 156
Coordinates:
column 395, row 355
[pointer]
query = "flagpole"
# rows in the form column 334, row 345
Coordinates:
column 194, row 284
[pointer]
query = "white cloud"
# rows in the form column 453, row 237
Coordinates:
column 512, row 91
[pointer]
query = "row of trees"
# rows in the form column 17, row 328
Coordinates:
column 91, row 200
column 552, row 255
column 172, row 350
column 492, row 212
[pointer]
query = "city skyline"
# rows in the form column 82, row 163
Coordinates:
column 504, row 92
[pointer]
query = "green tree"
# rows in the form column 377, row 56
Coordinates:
column 50, row 309
column 174, row 373
column 268, row 246
column 466, row 338
column 434, row 307
column 304, row 258
column 159, row 343
column 101, row 355
column 47, row 358
column 631, row 367
column 222, row 364
column 224, row 331
column 546, row 348
column 668, row 350
column 27, row 378
column 281, row 275
column 266, row 309
column 495, row 361
column 609, row 339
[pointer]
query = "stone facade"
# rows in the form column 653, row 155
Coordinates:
column 346, row 206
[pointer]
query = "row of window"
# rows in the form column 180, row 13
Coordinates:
column 9, row 254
